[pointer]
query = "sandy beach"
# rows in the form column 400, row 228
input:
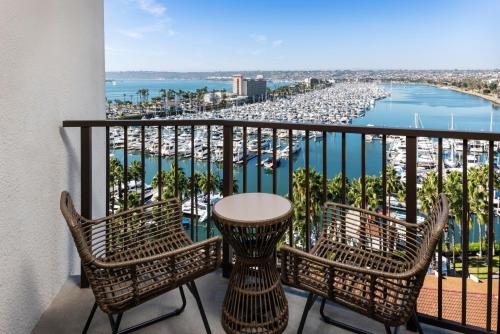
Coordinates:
column 461, row 90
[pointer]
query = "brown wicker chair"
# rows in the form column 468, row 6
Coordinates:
column 134, row 256
column 370, row 263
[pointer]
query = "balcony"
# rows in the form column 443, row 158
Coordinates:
column 70, row 308
column 228, row 150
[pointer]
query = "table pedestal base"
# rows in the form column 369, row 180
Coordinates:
column 255, row 301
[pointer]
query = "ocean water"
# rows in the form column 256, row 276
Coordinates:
column 433, row 105
column 116, row 89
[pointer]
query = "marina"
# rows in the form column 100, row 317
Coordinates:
column 406, row 105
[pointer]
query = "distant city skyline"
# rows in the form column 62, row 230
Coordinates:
column 183, row 36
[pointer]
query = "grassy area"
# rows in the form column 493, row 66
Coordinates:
column 478, row 266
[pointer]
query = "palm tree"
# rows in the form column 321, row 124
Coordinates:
column 334, row 188
column 133, row 201
column 206, row 186
column 115, row 179
column 373, row 192
column 428, row 193
column 163, row 95
column 315, row 199
column 194, row 183
column 135, row 172
column 354, row 193
column 478, row 199
column 453, row 190
column 168, row 182
column 393, row 182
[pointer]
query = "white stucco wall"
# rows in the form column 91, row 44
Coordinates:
column 51, row 69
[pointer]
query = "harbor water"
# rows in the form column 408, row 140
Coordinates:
column 434, row 106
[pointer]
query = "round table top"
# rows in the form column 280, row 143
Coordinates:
column 253, row 208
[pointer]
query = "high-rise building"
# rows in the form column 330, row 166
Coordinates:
column 238, row 84
column 249, row 87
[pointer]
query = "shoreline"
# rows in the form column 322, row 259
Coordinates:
column 492, row 99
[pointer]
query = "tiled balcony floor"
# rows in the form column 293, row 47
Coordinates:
column 69, row 310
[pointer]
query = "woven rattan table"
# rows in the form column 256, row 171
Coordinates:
column 252, row 224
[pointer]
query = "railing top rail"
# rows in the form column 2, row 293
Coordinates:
column 389, row 131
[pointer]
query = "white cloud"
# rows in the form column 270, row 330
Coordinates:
column 277, row 43
column 139, row 32
column 152, row 7
column 257, row 52
column 260, row 38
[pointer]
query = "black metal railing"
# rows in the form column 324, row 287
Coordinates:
column 228, row 128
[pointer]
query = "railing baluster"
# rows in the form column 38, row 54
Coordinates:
column 411, row 179
column 176, row 160
column 363, row 173
column 440, row 243
column 308, row 194
column 85, row 185
column 125, row 168
column 290, row 180
column 244, row 159
column 209, row 181
column 491, row 235
column 143, row 162
column 274, row 162
column 344, row 189
column 227, row 189
column 325, row 166
column 259, row 160
column 108, row 191
column 384, row 175
column 465, row 232
column 411, row 191
column 159, row 175
column 193, row 194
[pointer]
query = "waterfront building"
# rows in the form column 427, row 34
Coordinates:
column 311, row 82
column 238, row 84
column 213, row 97
column 252, row 88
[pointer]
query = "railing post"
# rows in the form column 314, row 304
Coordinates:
column 227, row 189
column 86, row 185
column 411, row 194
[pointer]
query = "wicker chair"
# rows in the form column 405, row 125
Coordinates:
column 134, row 256
column 369, row 263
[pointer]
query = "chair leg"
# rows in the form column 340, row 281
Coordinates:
column 309, row 303
column 339, row 324
column 194, row 291
column 416, row 322
column 115, row 324
column 158, row 319
column 89, row 319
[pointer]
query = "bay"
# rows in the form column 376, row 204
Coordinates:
column 434, row 107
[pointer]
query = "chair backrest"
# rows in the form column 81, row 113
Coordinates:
column 430, row 231
column 75, row 221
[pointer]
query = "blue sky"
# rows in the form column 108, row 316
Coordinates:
column 208, row 35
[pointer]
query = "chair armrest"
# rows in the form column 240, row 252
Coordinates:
column 342, row 266
column 217, row 241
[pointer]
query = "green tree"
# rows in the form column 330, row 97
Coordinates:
column 135, row 172
column 428, row 193
column 453, row 191
column 334, row 188
column 168, row 182
column 477, row 187
column 393, row 182
column 115, row 179
column 315, row 200
column 206, row 186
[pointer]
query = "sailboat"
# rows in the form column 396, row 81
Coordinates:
column 452, row 162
